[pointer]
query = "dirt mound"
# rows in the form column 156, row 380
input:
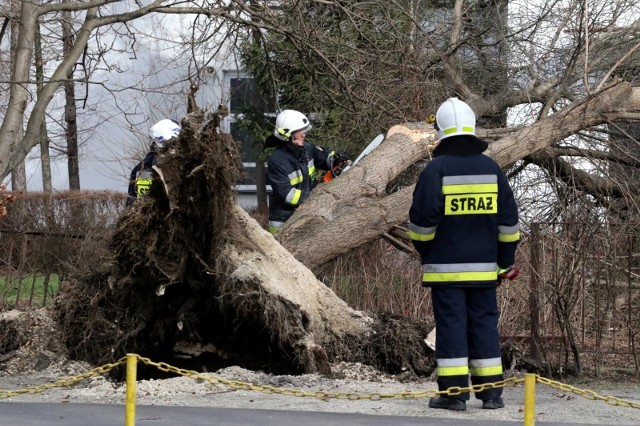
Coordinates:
column 31, row 341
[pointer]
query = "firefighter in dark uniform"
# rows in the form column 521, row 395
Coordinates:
column 142, row 173
column 464, row 223
column 292, row 170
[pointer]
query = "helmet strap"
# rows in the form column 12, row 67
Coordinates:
column 286, row 134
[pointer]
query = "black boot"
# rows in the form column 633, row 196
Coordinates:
column 448, row 403
column 492, row 404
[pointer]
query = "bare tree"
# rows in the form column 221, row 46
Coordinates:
column 45, row 157
column 372, row 67
column 96, row 15
column 380, row 63
column 70, row 107
column 18, row 177
column 560, row 81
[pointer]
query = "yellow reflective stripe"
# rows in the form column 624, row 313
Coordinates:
column 508, row 238
column 459, row 276
column 470, row 204
column 421, row 233
column 142, row 186
column 293, row 196
column 455, row 129
column 421, row 237
column 474, row 188
column 274, row 226
column 295, row 177
column 453, row 371
column 296, row 197
column 284, row 133
column 486, row 371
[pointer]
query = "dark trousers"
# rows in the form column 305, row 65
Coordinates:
column 467, row 327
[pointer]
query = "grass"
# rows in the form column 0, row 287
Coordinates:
column 28, row 290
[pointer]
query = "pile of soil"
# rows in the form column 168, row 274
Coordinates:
column 31, row 341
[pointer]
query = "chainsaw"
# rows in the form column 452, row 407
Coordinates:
column 372, row 145
column 339, row 167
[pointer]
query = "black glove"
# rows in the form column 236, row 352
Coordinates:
column 341, row 156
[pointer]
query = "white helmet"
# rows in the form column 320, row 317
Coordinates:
column 163, row 131
column 455, row 117
column 290, row 121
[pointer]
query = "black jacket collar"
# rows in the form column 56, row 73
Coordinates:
column 297, row 151
column 461, row 146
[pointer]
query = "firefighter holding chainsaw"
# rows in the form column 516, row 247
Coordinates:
column 464, row 223
column 292, row 170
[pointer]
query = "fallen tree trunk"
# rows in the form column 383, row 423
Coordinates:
column 192, row 274
column 365, row 203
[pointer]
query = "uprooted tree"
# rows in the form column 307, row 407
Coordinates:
column 192, row 273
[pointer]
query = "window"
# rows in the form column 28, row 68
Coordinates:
column 242, row 94
column 242, row 97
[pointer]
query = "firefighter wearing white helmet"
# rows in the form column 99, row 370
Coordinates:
column 290, row 121
column 292, row 169
column 463, row 222
column 142, row 174
column 163, row 131
column 454, row 118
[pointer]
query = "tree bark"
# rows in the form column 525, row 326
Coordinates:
column 193, row 274
column 70, row 113
column 19, row 174
column 45, row 157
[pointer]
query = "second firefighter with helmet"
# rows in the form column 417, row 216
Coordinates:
column 142, row 174
column 292, row 170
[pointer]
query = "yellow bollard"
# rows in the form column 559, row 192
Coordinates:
column 130, row 405
column 529, row 399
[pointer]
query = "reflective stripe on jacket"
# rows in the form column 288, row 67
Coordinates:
column 142, row 175
column 143, row 182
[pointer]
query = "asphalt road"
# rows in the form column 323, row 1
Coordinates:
column 73, row 414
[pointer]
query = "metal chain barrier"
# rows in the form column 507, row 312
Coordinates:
column 611, row 400
column 65, row 382
column 323, row 395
